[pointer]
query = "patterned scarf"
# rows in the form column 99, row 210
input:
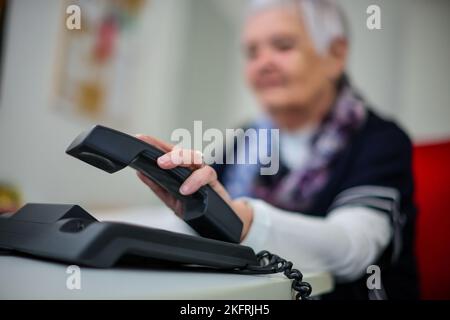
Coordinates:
column 295, row 190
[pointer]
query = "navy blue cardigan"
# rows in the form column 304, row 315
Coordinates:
column 378, row 155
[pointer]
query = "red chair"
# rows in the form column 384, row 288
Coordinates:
column 432, row 177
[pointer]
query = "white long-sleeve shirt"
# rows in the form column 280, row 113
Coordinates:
column 344, row 243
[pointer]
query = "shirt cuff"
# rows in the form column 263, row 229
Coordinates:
column 258, row 233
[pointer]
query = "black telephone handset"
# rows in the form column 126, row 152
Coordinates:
column 110, row 150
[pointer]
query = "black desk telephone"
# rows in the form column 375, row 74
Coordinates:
column 70, row 234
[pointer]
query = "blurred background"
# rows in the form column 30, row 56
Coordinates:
column 151, row 66
column 161, row 64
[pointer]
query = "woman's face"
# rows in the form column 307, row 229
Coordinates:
column 283, row 67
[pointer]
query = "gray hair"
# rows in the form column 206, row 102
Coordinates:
column 324, row 19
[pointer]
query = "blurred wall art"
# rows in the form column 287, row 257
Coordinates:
column 96, row 62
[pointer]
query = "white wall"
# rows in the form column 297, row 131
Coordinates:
column 424, row 103
column 374, row 54
column 34, row 135
column 205, row 91
column 404, row 69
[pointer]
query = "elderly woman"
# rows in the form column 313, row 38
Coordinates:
column 342, row 199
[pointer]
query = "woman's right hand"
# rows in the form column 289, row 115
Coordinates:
column 201, row 175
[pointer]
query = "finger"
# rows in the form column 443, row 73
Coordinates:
column 182, row 158
column 198, row 179
column 164, row 146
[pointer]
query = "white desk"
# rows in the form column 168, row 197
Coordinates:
column 25, row 278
